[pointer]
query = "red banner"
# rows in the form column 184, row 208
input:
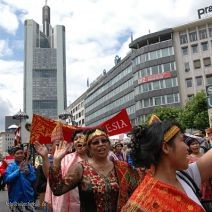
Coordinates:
column 154, row 77
column 41, row 129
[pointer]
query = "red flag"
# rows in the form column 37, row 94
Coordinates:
column 41, row 129
column 118, row 124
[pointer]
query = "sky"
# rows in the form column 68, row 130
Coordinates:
column 96, row 31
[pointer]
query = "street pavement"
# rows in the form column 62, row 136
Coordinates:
column 4, row 200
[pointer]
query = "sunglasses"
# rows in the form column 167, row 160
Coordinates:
column 103, row 141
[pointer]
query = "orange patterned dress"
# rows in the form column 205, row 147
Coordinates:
column 154, row 195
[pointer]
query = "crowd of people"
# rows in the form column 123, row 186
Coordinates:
column 161, row 169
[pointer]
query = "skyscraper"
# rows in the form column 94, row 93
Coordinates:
column 44, row 68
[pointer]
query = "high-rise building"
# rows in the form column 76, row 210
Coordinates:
column 44, row 68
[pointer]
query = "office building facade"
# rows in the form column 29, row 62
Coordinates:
column 77, row 111
column 155, row 73
column 44, row 68
column 164, row 68
column 6, row 140
column 111, row 92
column 193, row 51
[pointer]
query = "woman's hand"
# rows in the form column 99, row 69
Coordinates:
column 41, row 149
column 60, row 151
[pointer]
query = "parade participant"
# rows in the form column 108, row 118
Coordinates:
column 118, row 151
column 208, row 132
column 195, row 155
column 194, row 149
column 103, row 185
column 19, row 177
column 161, row 147
column 3, row 166
column 68, row 202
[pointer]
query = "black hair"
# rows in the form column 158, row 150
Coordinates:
column 147, row 143
column 191, row 140
column 15, row 149
column 77, row 131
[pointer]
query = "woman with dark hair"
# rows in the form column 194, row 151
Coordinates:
column 161, row 149
column 68, row 202
column 104, row 185
column 195, row 155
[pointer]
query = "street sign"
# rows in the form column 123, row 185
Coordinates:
column 209, row 90
column 209, row 101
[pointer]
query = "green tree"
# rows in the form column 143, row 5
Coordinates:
column 195, row 113
column 166, row 113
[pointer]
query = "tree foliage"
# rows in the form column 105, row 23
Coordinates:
column 193, row 115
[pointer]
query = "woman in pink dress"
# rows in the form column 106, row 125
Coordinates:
column 68, row 202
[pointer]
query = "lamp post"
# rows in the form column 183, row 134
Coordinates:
column 67, row 115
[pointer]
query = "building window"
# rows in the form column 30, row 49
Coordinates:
column 193, row 36
column 187, row 67
column 194, row 48
column 207, row 61
column 190, row 96
column 157, row 100
column 209, row 79
column 183, row 39
column 202, row 34
column 185, row 50
column 210, row 30
column 204, row 46
column 189, row 83
column 199, row 81
column 197, row 64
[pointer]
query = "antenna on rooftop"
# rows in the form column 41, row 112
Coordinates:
column 131, row 36
column 45, row 2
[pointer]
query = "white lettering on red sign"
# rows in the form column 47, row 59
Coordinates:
column 117, row 125
column 154, row 77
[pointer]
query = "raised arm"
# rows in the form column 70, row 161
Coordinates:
column 43, row 152
column 61, row 185
column 205, row 165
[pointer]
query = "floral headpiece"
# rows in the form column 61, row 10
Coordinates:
column 170, row 133
column 95, row 134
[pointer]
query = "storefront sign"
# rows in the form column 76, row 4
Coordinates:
column 154, row 77
column 204, row 11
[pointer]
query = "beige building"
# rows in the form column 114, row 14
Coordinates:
column 193, row 51
column 6, row 141
column 77, row 109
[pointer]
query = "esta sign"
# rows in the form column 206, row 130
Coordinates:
column 204, row 11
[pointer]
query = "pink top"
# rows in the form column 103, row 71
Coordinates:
column 68, row 202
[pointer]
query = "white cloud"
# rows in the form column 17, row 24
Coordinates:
column 9, row 21
column 93, row 32
column 11, row 86
column 4, row 49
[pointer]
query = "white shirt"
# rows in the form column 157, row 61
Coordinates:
column 193, row 172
